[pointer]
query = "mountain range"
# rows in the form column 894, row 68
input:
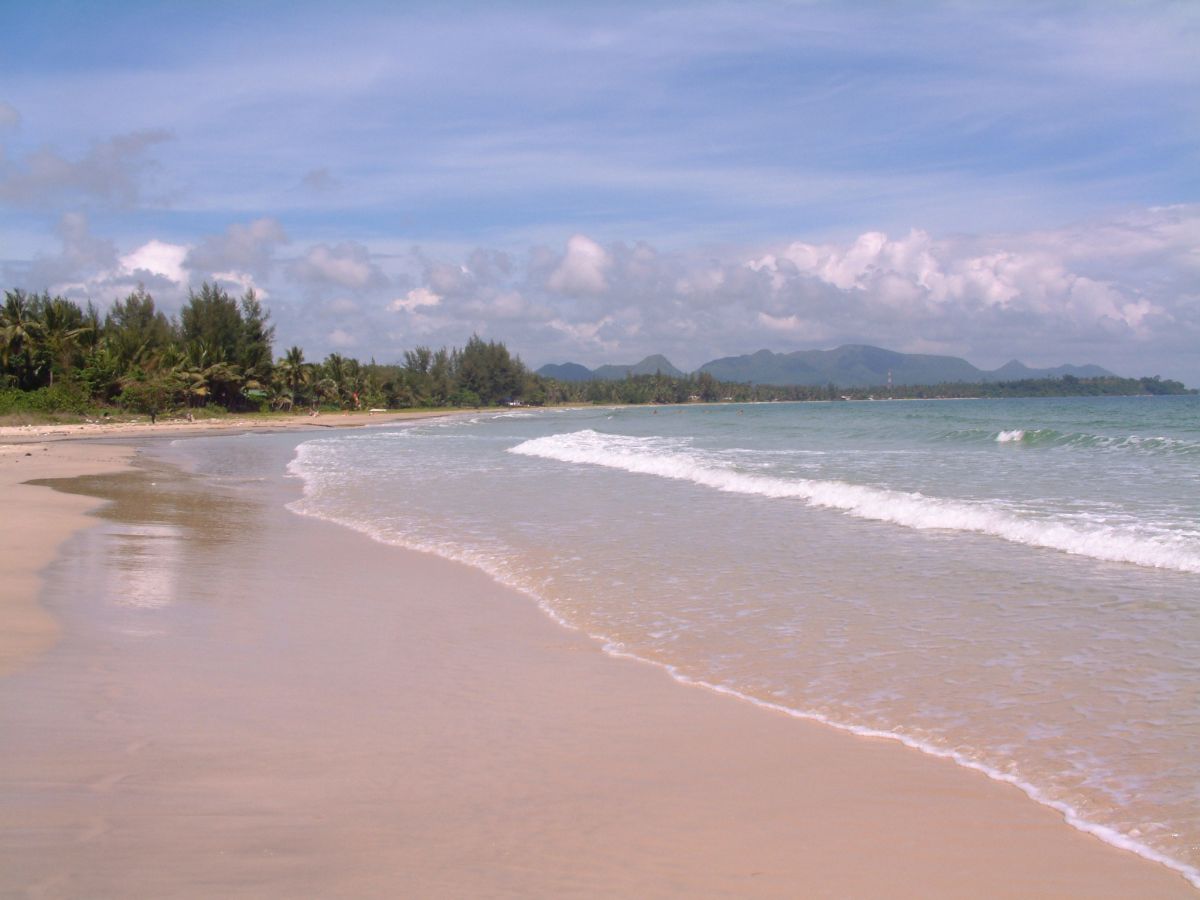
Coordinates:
column 851, row 365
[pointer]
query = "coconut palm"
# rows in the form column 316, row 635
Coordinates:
column 62, row 329
column 20, row 333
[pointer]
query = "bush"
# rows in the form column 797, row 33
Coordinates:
column 61, row 398
column 152, row 396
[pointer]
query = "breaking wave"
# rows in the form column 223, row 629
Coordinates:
column 650, row 456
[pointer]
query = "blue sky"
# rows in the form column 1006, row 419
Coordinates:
column 597, row 183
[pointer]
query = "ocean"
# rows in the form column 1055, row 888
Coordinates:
column 1012, row 584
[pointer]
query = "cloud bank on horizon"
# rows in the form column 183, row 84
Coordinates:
column 986, row 180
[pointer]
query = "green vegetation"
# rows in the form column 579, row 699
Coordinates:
column 59, row 358
column 704, row 387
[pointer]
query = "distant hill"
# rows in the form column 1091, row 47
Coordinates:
column 566, row 372
column 651, row 365
column 1015, row 370
column 852, row 365
column 859, row 365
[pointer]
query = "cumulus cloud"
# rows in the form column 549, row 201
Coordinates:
column 414, row 300
column 240, row 283
column 156, row 259
column 245, row 251
column 582, row 270
column 922, row 277
column 1102, row 292
column 1123, row 292
column 346, row 265
column 83, row 259
column 112, row 171
column 90, row 268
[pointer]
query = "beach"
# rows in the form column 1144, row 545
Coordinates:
column 205, row 694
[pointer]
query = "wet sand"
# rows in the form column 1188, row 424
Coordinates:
column 35, row 522
column 177, row 427
column 248, row 703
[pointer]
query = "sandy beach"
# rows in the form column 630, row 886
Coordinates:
column 204, row 694
column 47, row 518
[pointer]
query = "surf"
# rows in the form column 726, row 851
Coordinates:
column 651, row 456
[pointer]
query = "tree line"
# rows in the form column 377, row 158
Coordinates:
column 702, row 386
column 58, row 356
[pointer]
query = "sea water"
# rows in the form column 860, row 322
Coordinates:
column 1013, row 584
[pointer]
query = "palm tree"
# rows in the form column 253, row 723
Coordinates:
column 20, row 332
column 292, row 376
column 62, row 327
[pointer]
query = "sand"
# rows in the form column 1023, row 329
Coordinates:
column 35, row 522
column 179, row 427
column 248, row 703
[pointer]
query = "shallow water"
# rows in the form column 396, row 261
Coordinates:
column 1014, row 583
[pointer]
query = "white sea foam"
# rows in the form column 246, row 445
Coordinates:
column 1010, row 437
column 1072, row 816
column 650, row 456
column 323, row 473
column 318, row 475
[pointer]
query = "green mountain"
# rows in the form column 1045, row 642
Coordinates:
column 651, row 365
column 1015, row 370
column 566, row 372
column 859, row 365
column 852, row 365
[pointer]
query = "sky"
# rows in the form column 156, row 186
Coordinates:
column 599, row 182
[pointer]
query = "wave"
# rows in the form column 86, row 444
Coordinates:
column 314, row 477
column 649, row 456
column 1160, row 445
column 1070, row 814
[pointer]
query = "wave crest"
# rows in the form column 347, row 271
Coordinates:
column 909, row 509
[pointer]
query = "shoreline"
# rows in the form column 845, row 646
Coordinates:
column 30, row 453
column 1067, row 814
column 24, row 434
column 714, row 758
column 33, row 537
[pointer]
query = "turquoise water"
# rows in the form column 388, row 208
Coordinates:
column 1014, row 584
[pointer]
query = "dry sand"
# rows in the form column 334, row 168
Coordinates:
column 247, row 703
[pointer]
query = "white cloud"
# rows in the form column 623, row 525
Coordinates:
column 346, row 265
column 781, row 323
column 1123, row 292
column 241, row 282
column 582, row 270
column 156, row 258
column 414, row 300
column 1012, row 274
column 342, row 339
column 587, row 333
